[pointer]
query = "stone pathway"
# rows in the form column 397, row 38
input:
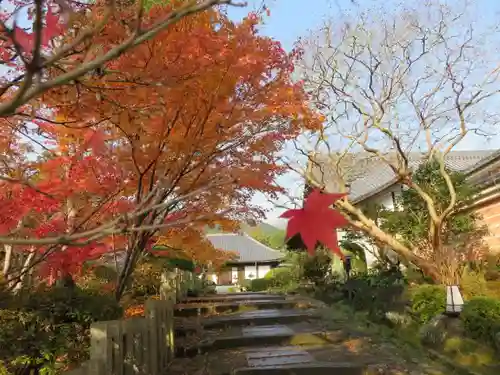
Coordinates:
column 267, row 334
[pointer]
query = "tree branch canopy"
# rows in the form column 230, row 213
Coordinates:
column 397, row 88
column 158, row 141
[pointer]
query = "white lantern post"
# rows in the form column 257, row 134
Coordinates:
column 454, row 301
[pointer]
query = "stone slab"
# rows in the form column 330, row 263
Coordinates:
column 251, row 302
column 277, row 356
column 313, row 368
column 258, row 317
column 254, row 317
column 208, row 308
column 234, row 297
column 271, row 330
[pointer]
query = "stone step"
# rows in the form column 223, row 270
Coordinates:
column 205, row 308
column 313, row 368
column 273, row 335
column 277, row 356
column 234, row 297
column 291, row 360
column 255, row 317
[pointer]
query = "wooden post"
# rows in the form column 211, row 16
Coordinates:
column 153, row 326
column 133, row 330
column 95, row 367
column 101, row 347
column 135, row 346
column 178, row 284
column 167, row 284
column 170, row 326
column 115, row 332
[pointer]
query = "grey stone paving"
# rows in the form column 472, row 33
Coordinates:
column 282, row 342
column 235, row 297
column 272, row 330
column 277, row 356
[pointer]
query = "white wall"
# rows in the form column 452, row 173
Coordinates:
column 234, row 275
column 385, row 199
column 250, row 272
column 263, row 270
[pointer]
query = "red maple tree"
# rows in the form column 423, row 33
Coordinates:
column 177, row 134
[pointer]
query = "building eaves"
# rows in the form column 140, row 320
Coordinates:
column 247, row 249
column 369, row 176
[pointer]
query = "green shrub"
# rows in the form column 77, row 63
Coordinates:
column 246, row 283
column 146, row 278
column 493, row 289
column 416, row 276
column 68, row 305
column 473, row 284
column 427, row 301
column 52, row 323
column 259, row 285
column 377, row 292
column 316, row 268
column 105, row 272
column 280, row 276
column 481, row 317
column 492, row 275
column 274, row 272
column 283, row 279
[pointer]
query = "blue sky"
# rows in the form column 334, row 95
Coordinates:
column 291, row 19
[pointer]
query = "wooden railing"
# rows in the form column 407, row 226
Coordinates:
column 138, row 346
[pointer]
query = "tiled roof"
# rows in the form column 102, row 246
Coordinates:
column 368, row 175
column 247, row 249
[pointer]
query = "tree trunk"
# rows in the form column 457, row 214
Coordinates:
column 7, row 261
column 131, row 259
column 24, row 275
column 369, row 227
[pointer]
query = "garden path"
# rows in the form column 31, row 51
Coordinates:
column 264, row 334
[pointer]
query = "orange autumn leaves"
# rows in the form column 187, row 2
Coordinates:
column 206, row 105
column 136, row 310
column 192, row 244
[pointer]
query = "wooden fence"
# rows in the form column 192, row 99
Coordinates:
column 138, row 346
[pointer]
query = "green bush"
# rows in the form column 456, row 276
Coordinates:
column 427, row 301
column 473, row 284
column 481, row 317
column 246, row 284
column 259, row 285
column 280, row 276
column 69, row 305
column 146, row 278
column 273, row 272
column 416, row 276
column 316, row 268
column 492, row 275
column 377, row 292
column 493, row 289
column 52, row 323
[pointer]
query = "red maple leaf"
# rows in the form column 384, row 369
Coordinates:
column 316, row 221
column 53, row 28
